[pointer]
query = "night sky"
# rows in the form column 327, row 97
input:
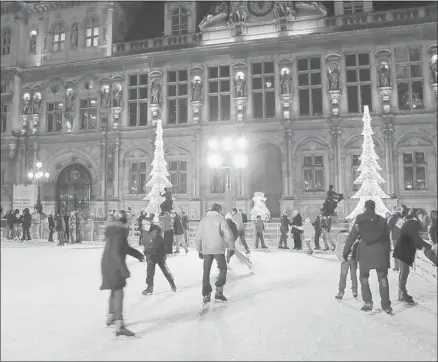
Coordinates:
column 147, row 17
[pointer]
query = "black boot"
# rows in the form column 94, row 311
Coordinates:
column 148, row 291
column 219, row 295
column 340, row 295
column 367, row 307
column 122, row 331
column 206, row 298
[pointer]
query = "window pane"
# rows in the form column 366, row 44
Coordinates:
column 50, row 122
column 365, row 92
column 417, row 94
column 143, row 120
column 171, row 90
column 258, row 105
column 319, row 179
column 408, row 177
column 55, row 37
column 351, row 75
column 303, row 79
column 318, row 160
column 350, row 60
column 401, row 55
column 407, row 158
column 88, row 32
column 183, row 109
column 257, row 83
column 308, row 179
column 421, row 177
column 304, row 102
column 134, row 185
column 307, row 160
column 182, row 189
column 96, row 31
column 51, row 106
column 171, row 76
column 315, row 63
column 182, row 89
column 256, row 68
column 317, row 101
column 403, row 96
column 95, row 42
column 171, row 110
column 225, row 71
column 315, row 78
column 270, row 104
column 182, row 75
column 414, row 54
column 132, row 80
column 182, row 165
column 416, row 70
column 269, row 82
column 174, row 181
column 173, row 165
column 225, row 86
column 356, row 174
column 364, row 59
column 419, row 157
column 143, row 79
column 303, row 64
column 401, row 71
column 364, row 75
column 269, row 67
column 225, row 107
column 134, row 167
column 213, row 87
column 58, row 124
column 132, row 114
column 143, row 93
column 142, row 188
column 353, row 106
column 212, row 72
column 88, row 43
column 133, row 93
column 213, row 108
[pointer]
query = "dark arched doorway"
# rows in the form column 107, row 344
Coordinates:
column 73, row 191
column 266, row 175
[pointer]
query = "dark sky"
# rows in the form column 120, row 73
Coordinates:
column 147, row 17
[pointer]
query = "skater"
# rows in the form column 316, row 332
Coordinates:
column 178, row 232
column 432, row 228
column 260, row 228
column 155, row 253
column 139, row 222
column 237, row 218
column 114, row 269
column 297, row 229
column 26, row 223
column 330, row 203
column 60, row 229
column 284, row 230
column 395, row 221
column 327, row 233
column 185, row 222
column 373, row 253
column 66, row 227
column 51, row 227
column 347, row 264
column 10, row 224
column 16, row 221
column 212, row 238
column 308, row 234
column 317, row 224
column 73, row 227
column 166, row 223
column 233, row 228
column 406, row 247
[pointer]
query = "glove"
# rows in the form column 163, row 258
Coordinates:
column 201, row 256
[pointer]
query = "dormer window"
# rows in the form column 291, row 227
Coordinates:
column 58, row 38
column 91, row 33
column 353, row 7
column 179, row 21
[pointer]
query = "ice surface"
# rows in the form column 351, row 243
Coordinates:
column 52, row 309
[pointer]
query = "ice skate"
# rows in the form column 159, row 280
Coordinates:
column 354, row 293
column 388, row 310
column 406, row 298
column 340, row 295
column 206, row 299
column 110, row 320
column 219, row 295
column 367, row 307
column 148, row 291
column 173, row 287
column 122, row 330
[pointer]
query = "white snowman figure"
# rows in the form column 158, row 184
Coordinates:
column 260, row 207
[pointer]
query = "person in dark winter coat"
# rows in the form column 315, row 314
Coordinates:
column 178, row 233
column 406, row 247
column 260, row 229
column 167, row 226
column 297, row 224
column 317, row 224
column 16, row 221
column 349, row 264
column 66, row 227
column 233, row 228
column 10, row 224
column 60, row 229
column 284, row 229
column 373, row 253
column 51, row 227
column 114, row 269
column 395, row 221
column 26, row 223
column 432, row 228
column 155, row 252
column 139, row 222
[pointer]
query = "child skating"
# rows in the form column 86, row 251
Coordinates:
column 346, row 265
column 260, row 229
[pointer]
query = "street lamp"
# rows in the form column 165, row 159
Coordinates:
column 225, row 154
column 36, row 175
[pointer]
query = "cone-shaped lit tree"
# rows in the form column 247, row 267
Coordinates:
column 159, row 175
column 369, row 175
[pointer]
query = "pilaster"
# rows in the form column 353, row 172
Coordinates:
column 387, row 130
column 109, row 30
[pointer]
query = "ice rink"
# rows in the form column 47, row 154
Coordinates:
column 52, row 309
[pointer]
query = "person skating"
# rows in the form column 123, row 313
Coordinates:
column 167, row 204
column 229, row 253
column 297, row 229
column 114, row 269
column 373, row 253
column 155, row 252
column 178, row 232
column 167, row 228
column 308, row 234
column 213, row 237
column 260, row 229
column 349, row 264
column 237, row 218
column 284, row 230
column 60, row 229
column 26, row 222
column 51, row 222
column 317, row 224
column 326, row 227
column 395, row 221
column 139, row 223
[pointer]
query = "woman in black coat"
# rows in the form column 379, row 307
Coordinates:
column 297, row 223
column 26, row 222
column 114, row 269
column 16, row 221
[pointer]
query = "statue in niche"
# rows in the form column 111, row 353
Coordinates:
column 196, row 89
column 117, row 95
column 218, row 15
column 434, row 67
column 286, row 81
column 70, row 100
column 27, row 106
column 333, row 72
column 156, row 92
column 104, row 96
column 239, row 85
column 36, row 103
column 238, row 14
column 384, row 73
column 110, row 170
column 74, row 36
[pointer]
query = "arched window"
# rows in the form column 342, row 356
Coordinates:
column 91, row 33
column 179, row 21
column 6, row 41
column 58, row 38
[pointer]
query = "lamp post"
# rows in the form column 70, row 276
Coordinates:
column 37, row 174
column 226, row 153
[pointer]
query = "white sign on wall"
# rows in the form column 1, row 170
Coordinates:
column 24, row 196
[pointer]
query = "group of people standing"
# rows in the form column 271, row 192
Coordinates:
column 68, row 227
column 18, row 224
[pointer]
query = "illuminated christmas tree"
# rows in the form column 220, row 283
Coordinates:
column 260, row 207
column 369, row 175
column 159, row 175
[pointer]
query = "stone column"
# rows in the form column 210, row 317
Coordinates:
column 287, row 178
column 102, row 145
column 389, row 165
column 109, row 29
column 116, row 166
column 196, row 176
column 39, row 40
column 336, row 132
column 16, row 100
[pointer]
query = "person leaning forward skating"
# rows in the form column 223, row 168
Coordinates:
column 213, row 237
column 373, row 253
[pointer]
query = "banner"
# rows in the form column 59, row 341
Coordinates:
column 24, row 196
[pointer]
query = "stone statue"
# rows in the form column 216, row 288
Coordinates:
column 286, row 82
column 74, row 36
column 333, row 77
column 156, row 92
column 27, row 107
column 237, row 14
column 218, row 15
column 434, row 67
column 70, row 99
column 239, row 86
column 117, row 95
column 384, row 73
column 104, row 96
column 284, row 9
column 196, row 89
column 36, row 103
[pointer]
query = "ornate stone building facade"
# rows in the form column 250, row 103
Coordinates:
column 284, row 74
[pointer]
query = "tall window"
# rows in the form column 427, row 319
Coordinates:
column 177, row 96
column 58, row 38
column 137, row 178
column 355, row 165
column 92, row 33
column 414, row 170
column 263, row 90
column 353, row 7
column 32, row 44
column 218, row 181
column 178, row 176
column 179, row 21
column 54, row 117
column 4, row 117
column 88, row 113
column 358, row 74
column 313, row 173
column 409, row 74
column 138, row 100
column 219, row 93
column 6, row 41
column 310, row 86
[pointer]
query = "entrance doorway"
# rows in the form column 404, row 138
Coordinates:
column 73, row 189
column 267, row 176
